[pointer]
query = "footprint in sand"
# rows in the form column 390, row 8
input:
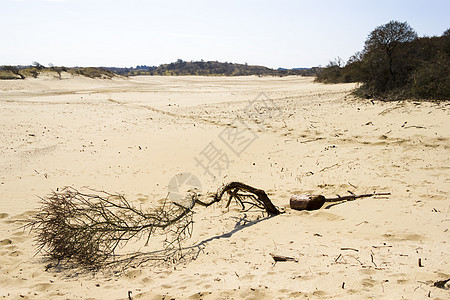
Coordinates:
column 3, row 215
column 146, row 280
column 133, row 274
column 404, row 237
column 42, row 287
column 367, row 271
column 5, row 242
column 368, row 283
column 15, row 253
column 328, row 216
column 19, row 233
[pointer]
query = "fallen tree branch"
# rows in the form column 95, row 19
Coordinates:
column 88, row 228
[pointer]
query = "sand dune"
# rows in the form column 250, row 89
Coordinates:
column 132, row 136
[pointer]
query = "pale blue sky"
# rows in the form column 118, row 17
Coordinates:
column 273, row 33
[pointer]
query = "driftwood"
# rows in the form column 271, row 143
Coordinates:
column 88, row 228
column 313, row 202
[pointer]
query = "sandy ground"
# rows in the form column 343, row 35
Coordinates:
column 283, row 135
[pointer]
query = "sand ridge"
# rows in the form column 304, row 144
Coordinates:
column 133, row 135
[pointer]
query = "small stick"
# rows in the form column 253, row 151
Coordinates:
column 382, row 246
column 345, row 248
column 352, row 185
column 371, row 256
column 329, row 167
column 282, row 258
column 420, row 262
column 353, row 197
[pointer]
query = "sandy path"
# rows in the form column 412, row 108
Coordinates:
column 133, row 136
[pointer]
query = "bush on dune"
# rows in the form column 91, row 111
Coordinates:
column 13, row 72
column 396, row 64
column 92, row 72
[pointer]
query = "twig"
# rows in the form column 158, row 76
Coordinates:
column 371, row 257
column 382, row 246
column 309, row 141
column 420, row 262
column 282, row 258
column 353, row 197
column 329, row 167
column 350, row 249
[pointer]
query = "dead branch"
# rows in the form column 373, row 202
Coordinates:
column 353, row 197
column 88, row 228
column 313, row 202
column 245, row 194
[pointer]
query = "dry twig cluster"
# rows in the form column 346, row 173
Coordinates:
column 88, row 228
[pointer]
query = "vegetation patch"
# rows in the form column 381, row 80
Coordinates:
column 93, row 72
column 36, row 70
column 396, row 64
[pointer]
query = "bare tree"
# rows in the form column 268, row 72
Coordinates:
column 37, row 65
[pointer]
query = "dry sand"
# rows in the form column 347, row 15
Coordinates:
column 133, row 136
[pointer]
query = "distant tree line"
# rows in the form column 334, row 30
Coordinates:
column 210, row 68
column 396, row 64
column 178, row 68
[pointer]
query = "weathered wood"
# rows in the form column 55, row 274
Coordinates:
column 235, row 190
column 313, row 202
column 307, row 202
column 88, row 227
